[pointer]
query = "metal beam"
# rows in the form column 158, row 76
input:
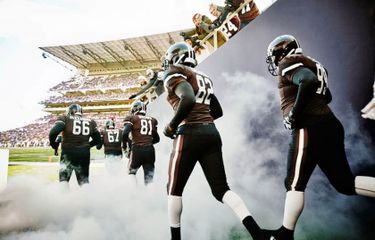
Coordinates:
column 170, row 39
column 94, row 56
column 153, row 48
column 133, row 52
column 114, row 54
column 82, row 62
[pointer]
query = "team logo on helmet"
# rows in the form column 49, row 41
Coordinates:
column 74, row 109
column 138, row 107
column 179, row 53
column 279, row 48
column 110, row 124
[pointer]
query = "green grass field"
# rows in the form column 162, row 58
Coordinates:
column 39, row 155
column 42, row 154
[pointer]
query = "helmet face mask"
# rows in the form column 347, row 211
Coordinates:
column 74, row 109
column 138, row 107
column 179, row 53
column 279, row 48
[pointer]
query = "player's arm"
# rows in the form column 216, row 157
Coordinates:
column 215, row 108
column 307, row 83
column 155, row 134
column 54, row 132
column 96, row 138
column 100, row 145
column 328, row 96
column 187, row 100
column 128, row 126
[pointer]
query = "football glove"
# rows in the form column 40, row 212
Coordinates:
column 182, row 34
column 169, row 132
column 290, row 121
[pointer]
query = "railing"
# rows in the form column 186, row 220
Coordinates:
column 214, row 33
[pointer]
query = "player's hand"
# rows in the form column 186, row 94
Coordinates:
column 132, row 96
column 56, row 152
column 182, row 34
column 169, row 132
column 54, row 145
column 290, row 121
column 99, row 146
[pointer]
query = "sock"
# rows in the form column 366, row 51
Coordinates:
column 64, row 186
column 365, row 186
column 239, row 208
column 133, row 180
column 294, row 203
column 176, row 233
column 174, row 211
column 236, row 204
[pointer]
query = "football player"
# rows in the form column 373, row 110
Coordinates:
column 112, row 141
column 317, row 135
column 196, row 139
column 247, row 14
column 75, row 145
column 144, row 134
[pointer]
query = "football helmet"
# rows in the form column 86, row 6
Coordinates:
column 138, row 107
column 180, row 53
column 74, row 109
column 279, row 48
column 110, row 124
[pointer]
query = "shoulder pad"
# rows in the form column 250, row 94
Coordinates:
column 290, row 63
column 172, row 72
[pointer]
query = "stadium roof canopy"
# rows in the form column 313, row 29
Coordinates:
column 131, row 54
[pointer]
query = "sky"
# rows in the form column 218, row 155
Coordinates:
column 25, row 25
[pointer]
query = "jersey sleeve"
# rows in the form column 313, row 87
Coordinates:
column 128, row 120
column 289, row 65
column 61, row 120
column 94, row 126
column 173, row 77
column 155, row 122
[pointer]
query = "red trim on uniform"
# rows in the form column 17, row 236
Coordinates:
column 301, row 151
column 173, row 170
column 130, row 159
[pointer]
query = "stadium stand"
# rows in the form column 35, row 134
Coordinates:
column 108, row 73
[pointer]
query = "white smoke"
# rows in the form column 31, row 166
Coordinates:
column 255, row 154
